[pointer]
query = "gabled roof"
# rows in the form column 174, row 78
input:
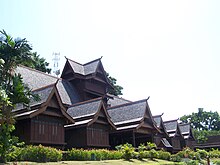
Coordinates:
column 131, row 115
column 158, row 120
column 86, row 113
column 115, row 100
column 43, row 94
column 186, row 130
column 128, row 112
column 160, row 124
column 84, row 69
column 84, row 109
column 172, row 127
column 36, row 107
column 35, row 80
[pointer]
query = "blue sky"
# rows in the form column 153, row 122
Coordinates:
column 168, row 50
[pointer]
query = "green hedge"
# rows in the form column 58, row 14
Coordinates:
column 36, row 154
column 94, row 154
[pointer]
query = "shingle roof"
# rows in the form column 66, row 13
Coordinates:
column 129, row 111
column 36, row 79
column 166, row 143
column 185, row 128
column 84, row 109
column 171, row 125
column 115, row 100
column 43, row 94
column 84, row 69
column 67, row 92
column 158, row 120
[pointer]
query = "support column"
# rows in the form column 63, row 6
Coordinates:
column 133, row 136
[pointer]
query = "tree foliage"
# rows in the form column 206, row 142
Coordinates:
column 38, row 63
column 204, row 123
column 12, row 90
column 203, row 120
column 117, row 89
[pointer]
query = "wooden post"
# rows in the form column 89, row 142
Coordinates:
column 133, row 136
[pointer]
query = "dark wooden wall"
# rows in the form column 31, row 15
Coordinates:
column 47, row 129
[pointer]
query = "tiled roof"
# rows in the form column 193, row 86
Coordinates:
column 158, row 120
column 185, row 128
column 166, row 143
column 67, row 92
column 84, row 109
column 36, row 79
column 84, row 69
column 129, row 111
column 43, row 94
column 171, row 125
column 115, row 100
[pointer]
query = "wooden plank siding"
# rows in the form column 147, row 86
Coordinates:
column 48, row 130
column 97, row 135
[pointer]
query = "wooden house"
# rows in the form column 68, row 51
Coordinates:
column 134, row 123
column 176, row 138
column 92, row 125
column 161, row 138
column 43, row 121
column 89, row 79
column 186, row 131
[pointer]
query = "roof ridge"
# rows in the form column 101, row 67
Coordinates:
column 98, row 59
column 171, row 120
column 182, row 124
column 126, row 104
column 44, row 87
column 35, row 70
column 74, row 61
column 158, row 115
column 84, row 102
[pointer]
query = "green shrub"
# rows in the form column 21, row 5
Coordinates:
column 151, row 146
column 78, row 154
column 216, row 162
column 164, row 155
column 94, row 154
column 36, row 154
column 175, row 158
column 127, row 151
column 153, row 154
column 203, row 153
column 192, row 162
column 214, row 153
column 141, row 149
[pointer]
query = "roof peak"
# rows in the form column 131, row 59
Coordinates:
column 98, row 59
column 158, row 115
column 127, row 104
column 171, row 120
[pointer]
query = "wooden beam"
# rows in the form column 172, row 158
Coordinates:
column 133, row 136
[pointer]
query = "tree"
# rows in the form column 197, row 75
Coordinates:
column 38, row 63
column 203, row 120
column 12, row 90
column 204, row 123
column 117, row 89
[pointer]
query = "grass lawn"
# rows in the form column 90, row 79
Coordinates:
column 105, row 162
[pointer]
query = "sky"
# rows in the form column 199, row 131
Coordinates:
column 168, row 50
